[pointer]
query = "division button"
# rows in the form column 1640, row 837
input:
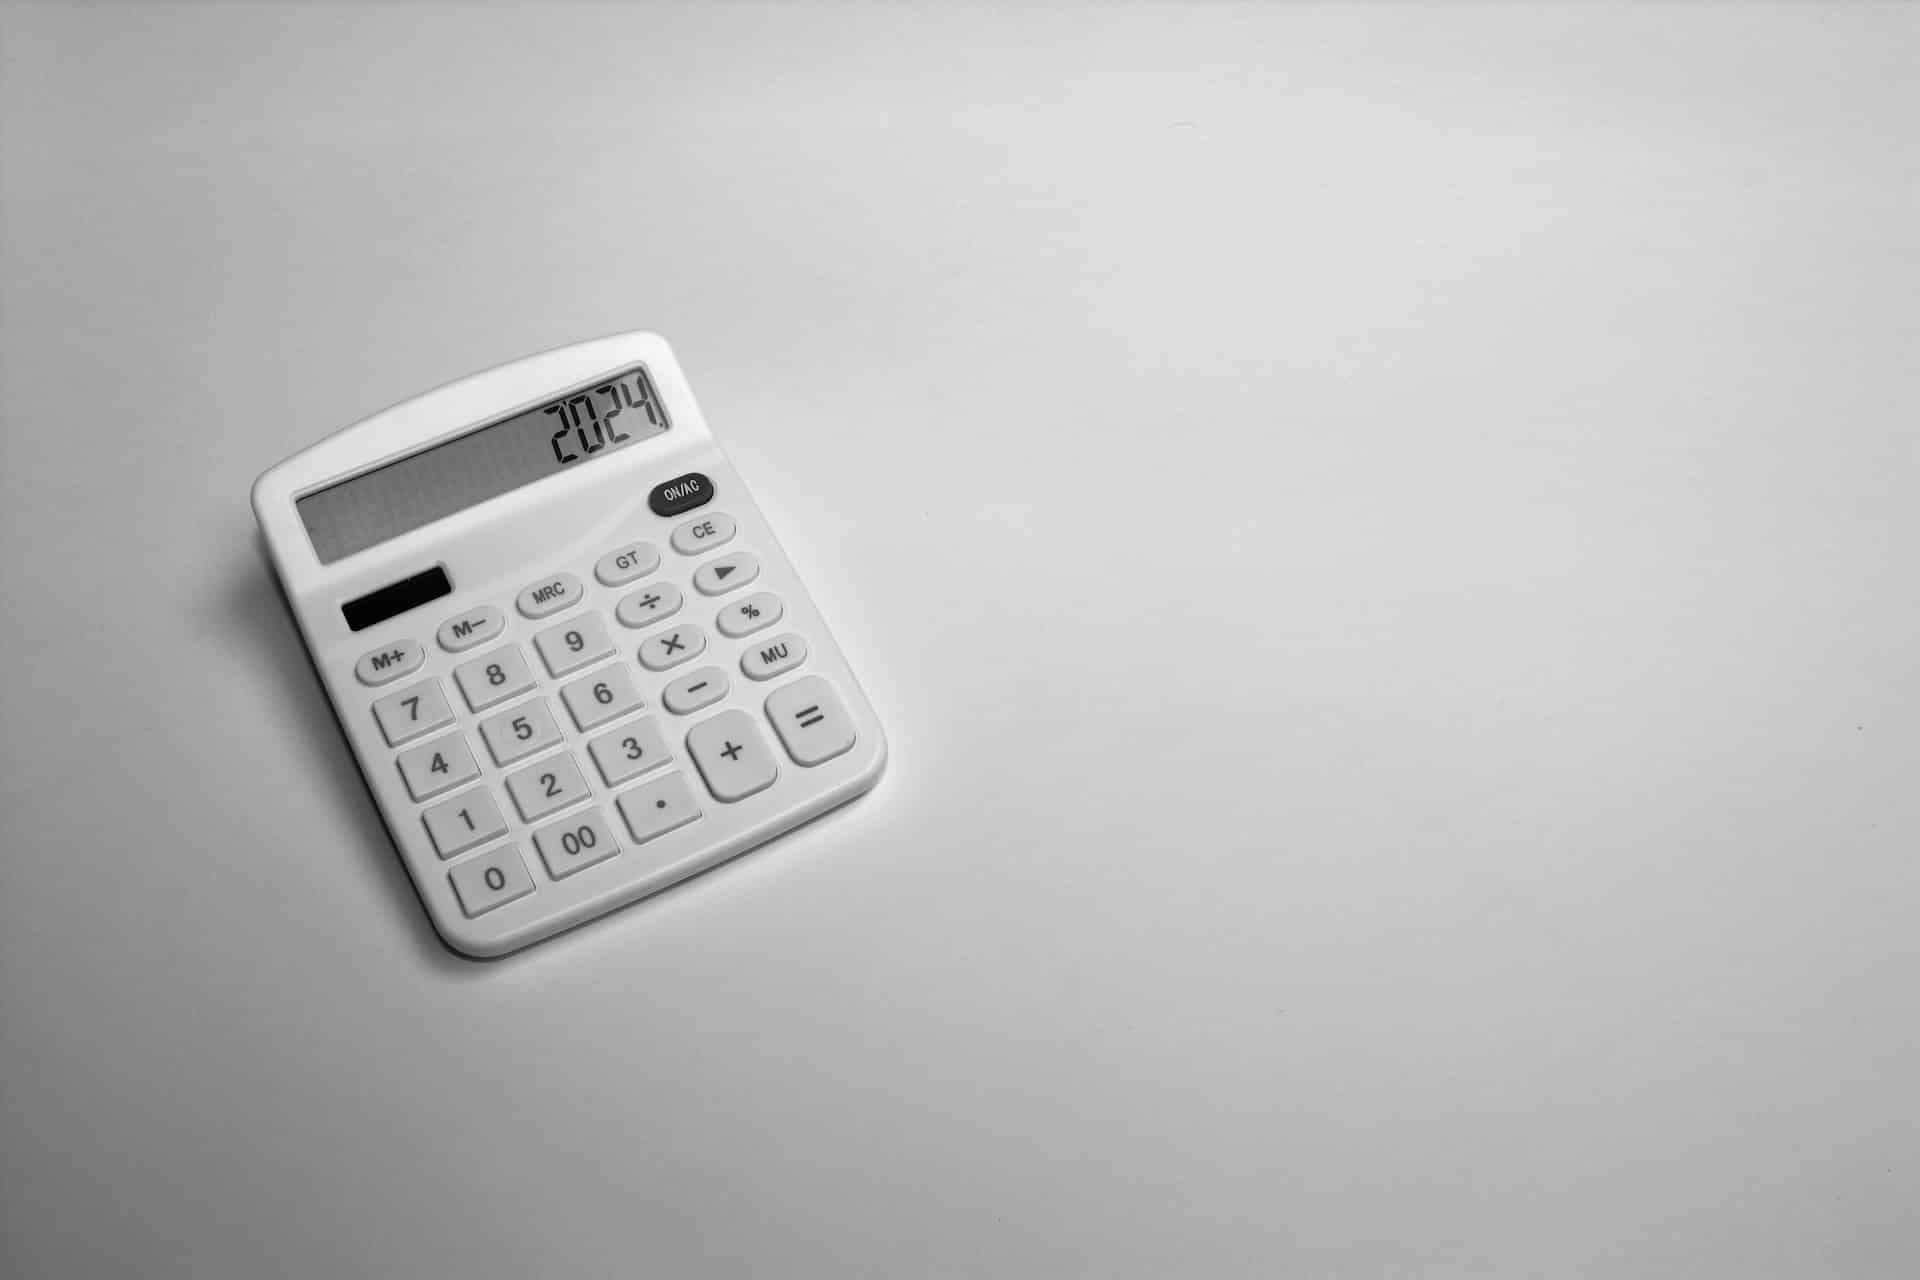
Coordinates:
column 703, row 533
column 645, row 607
column 659, row 807
column 385, row 665
column 732, row 756
column 695, row 690
column 635, row 560
column 773, row 657
column 681, row 494
column 550, row 595
column 744, row 617
column 813, row 725
column 476, row 626
column 490, row 881
column 726, row 573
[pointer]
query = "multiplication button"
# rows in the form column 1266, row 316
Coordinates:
column 671, row 648
column 812, row 723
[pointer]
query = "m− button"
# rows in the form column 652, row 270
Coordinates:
column 681, row 494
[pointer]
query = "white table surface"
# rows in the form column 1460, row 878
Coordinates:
column 1384, row 538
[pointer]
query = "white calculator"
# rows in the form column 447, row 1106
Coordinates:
column 572, row 660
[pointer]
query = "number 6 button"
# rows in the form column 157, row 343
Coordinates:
column 593, row 700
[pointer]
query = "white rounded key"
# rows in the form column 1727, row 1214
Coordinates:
column 726, row 573
column 810, row 720
column 635, row 560
column 476, row 626
column 664, row 805
column 671, row 648
column 465, row 822
column 573, row 645
column 550, row 595
column 383, row 666
column 695, row 690
column 436, row 766
column 410, row 712
column 574, row 844
column 490, row 880
column 774, row 657
column 704, row 533
column 744, row 617
column 629, row 751
column 644, row 608
column 732, row 756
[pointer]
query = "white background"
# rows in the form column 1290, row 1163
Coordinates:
column 1383, row 537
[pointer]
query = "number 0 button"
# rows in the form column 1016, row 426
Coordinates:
column 490, row 881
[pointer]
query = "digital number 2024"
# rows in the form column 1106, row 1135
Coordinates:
column 592, row 425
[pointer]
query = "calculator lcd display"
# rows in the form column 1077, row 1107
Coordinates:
column 586, row 423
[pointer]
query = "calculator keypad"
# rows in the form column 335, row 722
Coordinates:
column 598, row 677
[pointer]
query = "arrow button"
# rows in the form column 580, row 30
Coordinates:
column 727, row 572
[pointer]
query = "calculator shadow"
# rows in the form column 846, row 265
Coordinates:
column 262, row 612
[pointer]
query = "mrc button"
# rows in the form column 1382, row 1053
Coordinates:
column 682, row 493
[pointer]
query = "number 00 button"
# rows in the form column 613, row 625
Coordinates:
column 490, row 881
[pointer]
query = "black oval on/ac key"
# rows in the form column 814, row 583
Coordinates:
column 682, row 493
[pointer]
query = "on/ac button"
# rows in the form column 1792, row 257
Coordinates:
column 682, row 493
